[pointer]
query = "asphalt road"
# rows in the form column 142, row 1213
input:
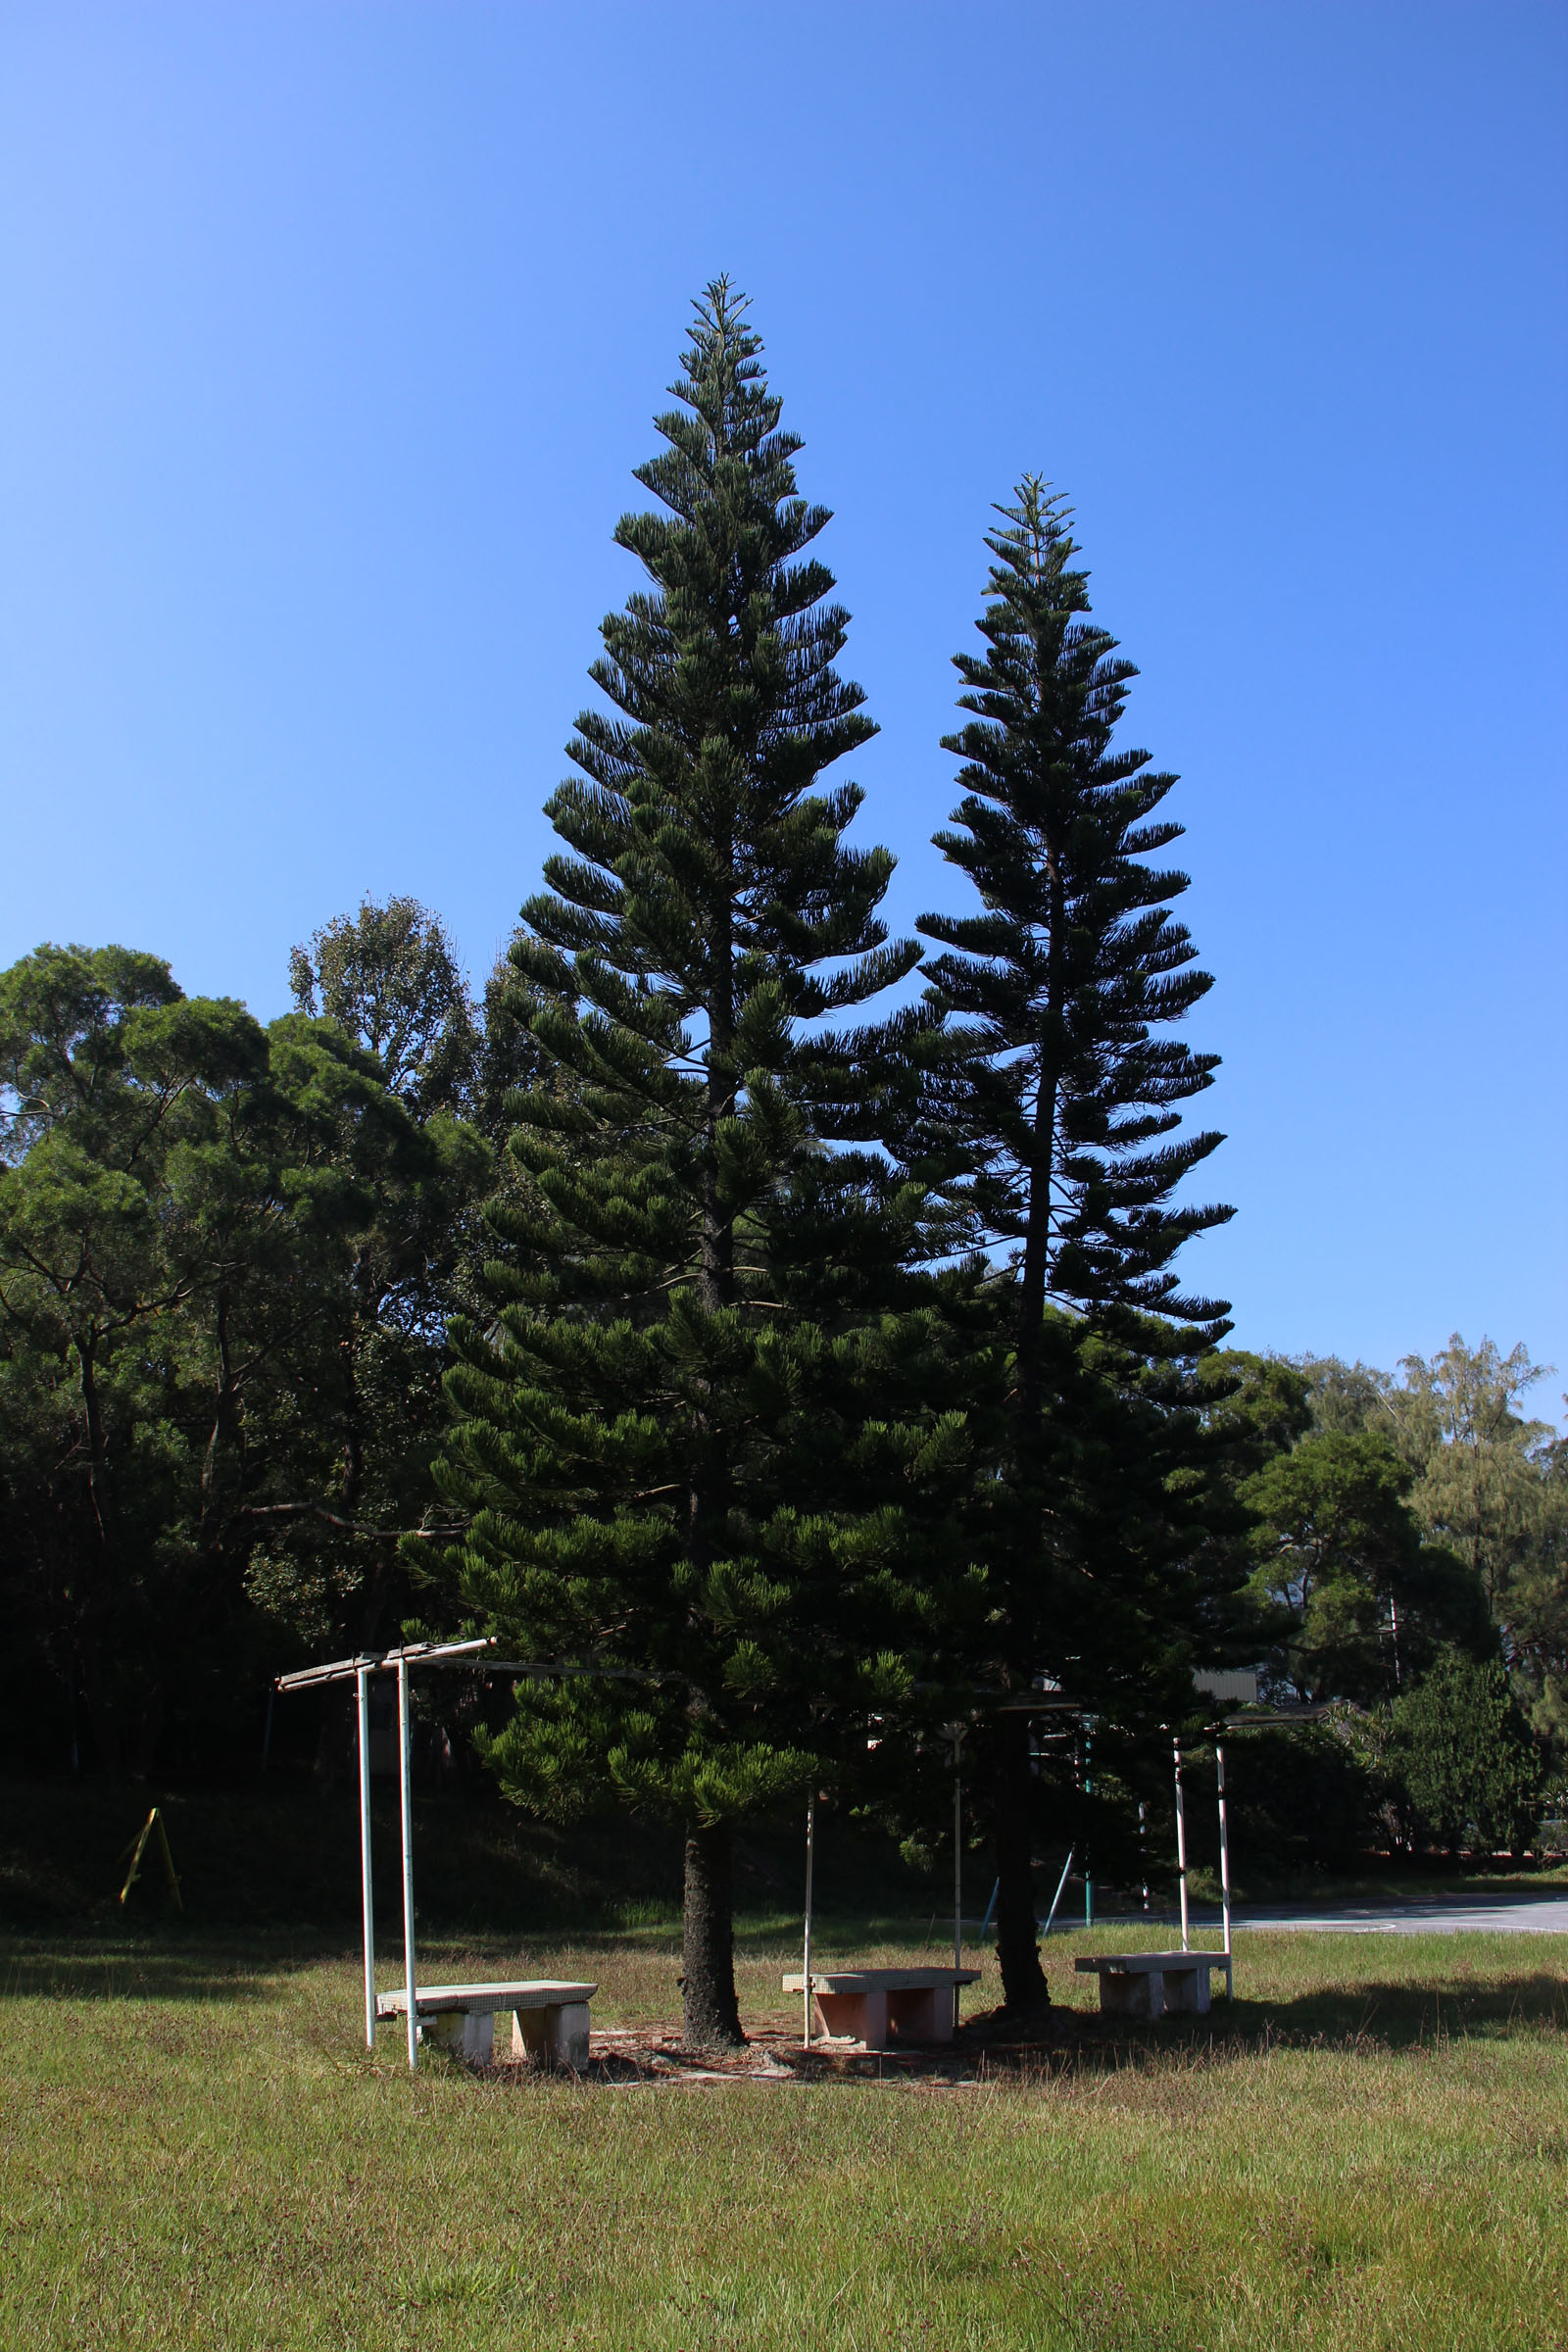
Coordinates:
column 1509, row 1914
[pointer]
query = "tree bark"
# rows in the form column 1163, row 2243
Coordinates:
column 1023, row 1979
column 712, row 2012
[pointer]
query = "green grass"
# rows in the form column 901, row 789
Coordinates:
column 1371, row 2150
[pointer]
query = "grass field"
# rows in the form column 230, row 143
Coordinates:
column 1371, row 2150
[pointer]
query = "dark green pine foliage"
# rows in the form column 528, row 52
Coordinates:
column 665, row 1440
column 1061, row 1104
column 1069, row 980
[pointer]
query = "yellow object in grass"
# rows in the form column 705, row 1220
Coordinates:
column 154, row 1821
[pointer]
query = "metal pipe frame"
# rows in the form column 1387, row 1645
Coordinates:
column 958, row 1866
column 405, row 1790
column 1062, row 1883
column 806, row 1954
column 1224, row 1868
column 1181, row 1845
column 366, row 1884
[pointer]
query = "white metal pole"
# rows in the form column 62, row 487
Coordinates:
column 1180, row 1841
column 366, row 1890
column 1050, row 1916
column 958, row 1867
column 1224, row 1864
column 1089, row 1852
column 405, row 1759
column 806, row 1956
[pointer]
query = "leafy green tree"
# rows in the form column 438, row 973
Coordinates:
column 1490, row 1488
column 1261, row 1404
column 659, row 1419
column 389, row 976
column 1059, row 1106
column 1535, row 1633
column 1356, row 1604
column 182, row 1196
column 1483, row 1488
column 1470, row 1769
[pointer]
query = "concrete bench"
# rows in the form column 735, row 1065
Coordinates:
column 880, row 2006
column 1149, row 1984
column 549, row 2021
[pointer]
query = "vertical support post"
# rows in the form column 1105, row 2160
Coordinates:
column 1143, row 1850
column 1224, row 1865
column 805, row 1954
column 1180, row 1841
column 366, row 1889
column 404, row 1774
column 958, row 1866
column 1061, row 1883
column 1089, row 1852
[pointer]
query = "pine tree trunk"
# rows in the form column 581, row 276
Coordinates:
column 713, row 2018
column 1023, row 1979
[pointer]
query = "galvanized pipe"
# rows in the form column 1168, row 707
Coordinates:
column 1180, row 1841
column 1089, row 1852
column 405, row 1776
column 1224, row 1863
column 806, row 1955
column 1061, row 1883
column 957, row 1868
column 366, row 1889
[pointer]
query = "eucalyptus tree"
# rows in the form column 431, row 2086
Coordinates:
column 183, row 1193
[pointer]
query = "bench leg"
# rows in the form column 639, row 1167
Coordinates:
column 557, row 2036
column 1188, row 1991
column 855, row 2017
column 570, row 2022
column 466, row 2033
column 923, row 2015
column 1136, row 1994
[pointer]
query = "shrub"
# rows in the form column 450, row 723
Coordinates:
column 1470, row 1770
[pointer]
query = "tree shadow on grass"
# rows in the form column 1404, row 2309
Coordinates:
column 1402, row 2016
column 128, row 1969
column 1374, row 2016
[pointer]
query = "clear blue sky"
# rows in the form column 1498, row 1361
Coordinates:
column 332, row 333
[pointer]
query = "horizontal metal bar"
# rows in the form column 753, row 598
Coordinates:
column 343, row 1671
column 373, row 1661
column 457, row 1654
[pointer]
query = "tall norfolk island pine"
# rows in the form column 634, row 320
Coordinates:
column 661, row 1446
column 1066, row 1103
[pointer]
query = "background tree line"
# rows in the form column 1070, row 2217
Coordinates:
column 773, row 1321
